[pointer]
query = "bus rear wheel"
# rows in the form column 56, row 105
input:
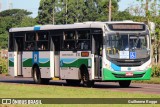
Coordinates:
column 125, row 83
column 37, row 77
column 85, row 79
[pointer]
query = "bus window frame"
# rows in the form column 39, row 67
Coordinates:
column 53, row 33
column 14, row 36
column 11, row 44
column 36, row 41
column 90, row 41
column 29, row 41
column 75, row 40
column 69, row 40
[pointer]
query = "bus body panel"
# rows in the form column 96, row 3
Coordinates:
column 11, row 64
column 52, row 64
column 70, row 63
column 15, row 64
column 27, row 64
column 44, row 64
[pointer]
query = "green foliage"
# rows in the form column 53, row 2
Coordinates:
column 13, row 18
column 155, row 71
column 71, row 11
column 4, row 41
column 27, row 21
column 124, row 15
column 4, row 65
column 14, row 12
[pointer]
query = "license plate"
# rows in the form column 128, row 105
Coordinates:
column 129, row 74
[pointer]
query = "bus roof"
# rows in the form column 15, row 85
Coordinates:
column 67, row 26
column 125, row 21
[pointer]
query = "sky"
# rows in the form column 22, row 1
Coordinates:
column 32, row 5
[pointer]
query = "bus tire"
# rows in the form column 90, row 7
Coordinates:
column 125, row 83
column 85, row 78
column 73, row 82
column 37, row 77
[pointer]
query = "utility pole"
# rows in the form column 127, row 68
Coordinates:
column 66, row 12
column 53, row 19
column 147, row 13
column 78, row 13
column 155, row 8
column 110, row 10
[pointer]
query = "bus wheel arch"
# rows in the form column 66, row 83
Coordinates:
column 36, row 74
column 85, row 76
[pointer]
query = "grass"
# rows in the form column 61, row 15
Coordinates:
column 50, row 91
column 153, row 80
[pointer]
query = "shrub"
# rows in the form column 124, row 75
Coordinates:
column 4, row 65
column 155, row 71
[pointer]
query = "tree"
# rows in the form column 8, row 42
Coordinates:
column 27, row 21
column 149, row 13
column 14, row 12
column 71, row 11
column 13, row 18
column 122, row 15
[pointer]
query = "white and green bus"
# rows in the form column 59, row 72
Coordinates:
column 87, row 52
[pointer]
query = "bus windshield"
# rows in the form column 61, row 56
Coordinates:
column 127, row 46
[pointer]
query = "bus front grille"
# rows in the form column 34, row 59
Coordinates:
column 128, row 63
column 124, row 76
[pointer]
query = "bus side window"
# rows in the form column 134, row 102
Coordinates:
column 30, row 41
column 42, row 41
column 42, row 45
column 69, row 40
column 83, row 40
column 11, row 44
column 29, row 46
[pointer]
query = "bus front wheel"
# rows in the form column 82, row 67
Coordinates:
column 125, row 83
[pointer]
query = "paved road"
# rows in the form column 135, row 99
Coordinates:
column 134, row 87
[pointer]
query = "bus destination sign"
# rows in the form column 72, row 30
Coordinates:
column 128, row 27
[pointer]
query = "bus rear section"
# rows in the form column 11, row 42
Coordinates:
column 45, row 53
column 29, row 52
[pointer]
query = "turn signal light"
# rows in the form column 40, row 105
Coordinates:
column 84, row 54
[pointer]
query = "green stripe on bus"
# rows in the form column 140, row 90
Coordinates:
column 47, row 64
column 11, row 64
column 82, row 61
column 77, row 63
column 27, row 63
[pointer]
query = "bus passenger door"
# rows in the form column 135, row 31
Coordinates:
column 97, row 51
column 56, row 54
column 18, row 55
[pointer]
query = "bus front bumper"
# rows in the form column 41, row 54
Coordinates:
column 119, row 75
